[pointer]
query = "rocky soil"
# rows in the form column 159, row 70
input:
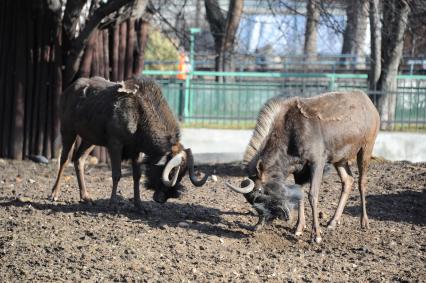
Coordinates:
column 205, row 235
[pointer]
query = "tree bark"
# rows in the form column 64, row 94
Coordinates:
column 217, row 27
column 375, row 38
column 311, row 31
column 223, row 30
column 232, row 22
column 395, row 15
column 354, row 35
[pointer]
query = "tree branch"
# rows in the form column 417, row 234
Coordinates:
column 79, row 43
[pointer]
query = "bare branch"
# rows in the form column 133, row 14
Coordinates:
column 79, row 43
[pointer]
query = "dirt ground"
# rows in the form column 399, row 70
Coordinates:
column 205, row 235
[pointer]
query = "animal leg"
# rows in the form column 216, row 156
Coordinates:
column 301, row 178
column 67, row 149
column 115, row 156
column 79, row 159
column 347, row 179
column 363, row 160
column 316, row 173
column 136, row 168
column 301, row 219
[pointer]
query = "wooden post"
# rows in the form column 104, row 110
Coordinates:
column 5, row 47
column 122, row 50
column 128, row 68
column 114, row 48
column 17, row 126
column 142, row 38
column 8, row 83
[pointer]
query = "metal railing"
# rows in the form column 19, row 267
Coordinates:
column 200, row 101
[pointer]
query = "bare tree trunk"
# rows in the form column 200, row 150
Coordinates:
column 224, row 30
column 395, row 14
column 375, row 34
column 311, row 31
column 232, row 22
column 217, row 22
column 354, row 35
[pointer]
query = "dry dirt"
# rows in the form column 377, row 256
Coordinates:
column 204, row 236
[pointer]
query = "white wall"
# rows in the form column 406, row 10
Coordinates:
column 221, row 146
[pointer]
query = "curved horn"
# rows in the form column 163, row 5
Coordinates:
column 174, row 162
column 194, row 181
column 242, row 190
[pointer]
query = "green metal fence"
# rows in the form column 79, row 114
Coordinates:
column 200, row 101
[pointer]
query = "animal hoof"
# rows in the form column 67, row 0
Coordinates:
column 364, row 223
column 87, row 200
column 317, row 240
column 298, row 233
column 53, row 198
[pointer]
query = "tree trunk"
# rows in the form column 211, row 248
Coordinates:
column 354, row 35
column 395, row 15
column 232, row 22
column 223, row 30
column 375, row 33
column 217, row 22
column 311, row 31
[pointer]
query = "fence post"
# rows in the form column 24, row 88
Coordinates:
column 188, row 87
column 331, row 83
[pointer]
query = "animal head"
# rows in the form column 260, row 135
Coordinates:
column 165, row 173
column 269, row 194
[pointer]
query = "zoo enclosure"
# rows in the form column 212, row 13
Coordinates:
column 201, row 101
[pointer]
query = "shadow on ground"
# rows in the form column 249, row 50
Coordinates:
column 407, row 206
column 203, row 219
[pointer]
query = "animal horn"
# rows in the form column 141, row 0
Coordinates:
column 242, row 190
column 173, row 163
column 194, row 181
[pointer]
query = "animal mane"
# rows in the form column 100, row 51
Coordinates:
column 162, row 124
column 264, row 124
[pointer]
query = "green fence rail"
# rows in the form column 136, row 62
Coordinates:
column 200, row 101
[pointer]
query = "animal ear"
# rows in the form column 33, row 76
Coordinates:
column 259, row 168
